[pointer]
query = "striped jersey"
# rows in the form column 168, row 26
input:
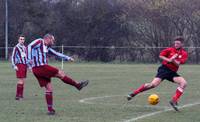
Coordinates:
column 37, row 53
column 19, row 55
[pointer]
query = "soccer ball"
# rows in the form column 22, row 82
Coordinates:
column 153, row 99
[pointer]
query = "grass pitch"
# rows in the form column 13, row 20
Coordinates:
column 104, row 99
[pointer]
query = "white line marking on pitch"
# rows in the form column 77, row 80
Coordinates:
column 88, row 101
column 159, row 112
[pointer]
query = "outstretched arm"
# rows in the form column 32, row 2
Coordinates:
column 60, row 55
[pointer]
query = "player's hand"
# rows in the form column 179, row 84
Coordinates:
column 30, row 62
column 16, row 68
column 29, row 69
column 174, row 56
column 172, row 59
column 71, row 59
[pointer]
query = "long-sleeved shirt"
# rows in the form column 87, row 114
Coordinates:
column 19, row 55
column 169, row 52
column 37, row 53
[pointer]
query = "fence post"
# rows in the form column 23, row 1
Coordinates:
column 62, row 59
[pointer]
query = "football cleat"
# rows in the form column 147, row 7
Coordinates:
column 83, row 84
column 174, row 105
column 51, row 112
column 19, row 97
column 130, row 96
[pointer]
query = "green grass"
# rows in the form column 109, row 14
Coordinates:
column 113, row 80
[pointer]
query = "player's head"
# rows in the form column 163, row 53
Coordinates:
column 21, row 39
column 178, row 42
column 49, row 39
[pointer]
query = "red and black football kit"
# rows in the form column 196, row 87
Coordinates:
column 169, row 70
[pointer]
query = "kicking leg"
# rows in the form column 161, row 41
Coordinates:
column 145, row 87
column 68, row 80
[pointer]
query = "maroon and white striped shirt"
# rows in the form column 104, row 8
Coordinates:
column 37, row 53
column 19, row 55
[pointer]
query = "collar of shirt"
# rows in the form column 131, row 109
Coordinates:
column 20, row 45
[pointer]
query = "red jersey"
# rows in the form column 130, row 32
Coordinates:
column 169, row 52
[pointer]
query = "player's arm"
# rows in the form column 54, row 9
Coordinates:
column 28, row 62
column 60, row 55
column 182, row 60
column 164, row 55
column 165, row 59
column 13, row 58
column 176, row 62
column 29, row 54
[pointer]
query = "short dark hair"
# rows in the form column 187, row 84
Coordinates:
column 179, row 38
column 21, row 35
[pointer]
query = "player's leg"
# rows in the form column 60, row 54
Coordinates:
column 21, row 75
column 19, row 88
column 144, row 87
column 42, row 75
column 49, row 98
column 182, row 83
column 68, row 80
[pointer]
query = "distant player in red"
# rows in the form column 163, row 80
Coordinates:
column 172, row 58
column 37, row 57
column 19, row 63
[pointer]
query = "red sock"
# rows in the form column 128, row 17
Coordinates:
column 179, row 92
column 49, row 100
column 19, row 90
column 68, row 80
column 141, row 89
column 22, row 91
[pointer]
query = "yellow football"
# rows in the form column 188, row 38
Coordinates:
column 153, row 99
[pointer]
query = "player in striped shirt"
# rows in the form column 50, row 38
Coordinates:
column 37, row 57
column 19, row 63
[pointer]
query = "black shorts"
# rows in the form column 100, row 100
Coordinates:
column 166, row 73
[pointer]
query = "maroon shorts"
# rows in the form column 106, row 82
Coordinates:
column 22, row 70
column 44, row 74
